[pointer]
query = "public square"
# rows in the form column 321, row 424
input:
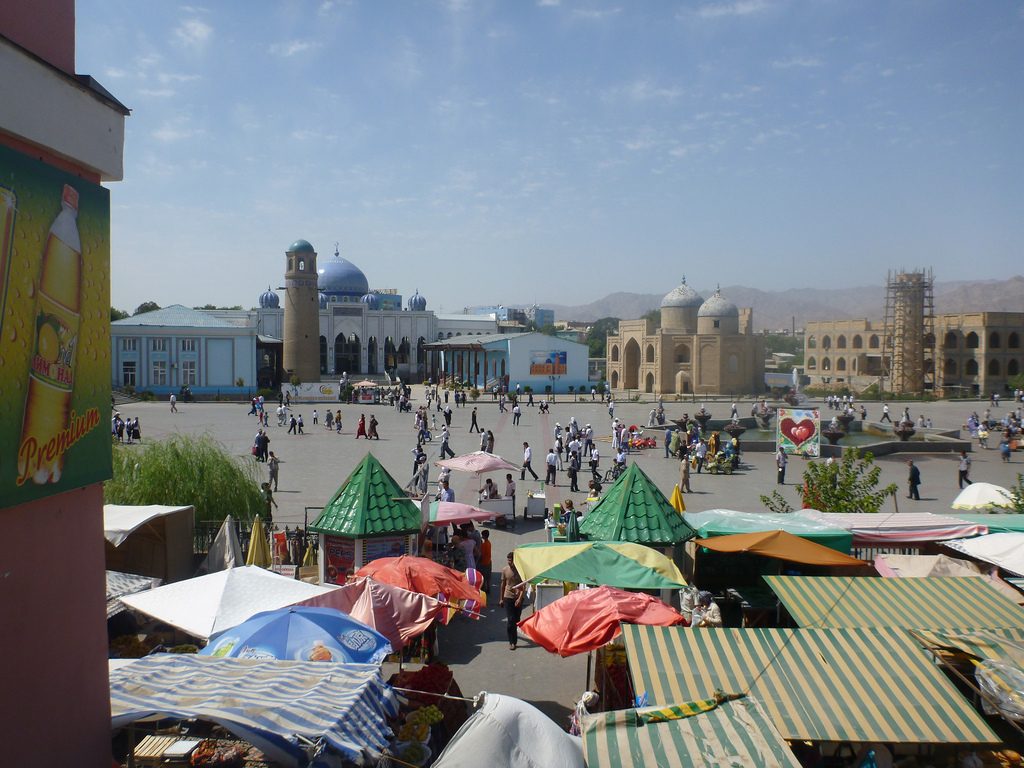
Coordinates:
column 314, row 464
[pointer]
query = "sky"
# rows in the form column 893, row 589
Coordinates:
column 555, row 151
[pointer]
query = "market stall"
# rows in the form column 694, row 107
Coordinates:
column 366, row 392
column 150, row 540
column 910, row 531
column 480, row 463
column 1003, row 550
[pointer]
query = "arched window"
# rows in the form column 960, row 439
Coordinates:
column 858, row 342
column 403, row 351
column 811, row 342
column 950, row 340
column 1012, row 368
column 826, row 364
column 841, row 364
column 650, row 357
column 971, row 368
column 853, row 365
column 994, row 341
column 649, row 384
column 323, row 355
column 371, row 355
column 682, row 353
column 826, row 342
column 873, row 341
column 841, row 342
column 615, row 353
column 950, row 367
column 994, row 368
column 1013, row 340
column 972, row 340
column 811, row 363
column 615, row 380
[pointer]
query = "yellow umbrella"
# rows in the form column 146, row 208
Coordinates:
column 259, row 548
column 677, row 500
column 310, row 558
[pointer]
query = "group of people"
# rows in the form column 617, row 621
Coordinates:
column 125, row 430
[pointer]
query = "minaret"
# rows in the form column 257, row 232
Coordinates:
column 301, row 313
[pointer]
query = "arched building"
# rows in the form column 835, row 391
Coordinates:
column 700, row 347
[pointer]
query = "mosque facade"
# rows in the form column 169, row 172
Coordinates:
column 700, row 347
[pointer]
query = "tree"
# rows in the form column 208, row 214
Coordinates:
column 849, row 485
column 1016, row 505
column 597, row 336
column 117, row 314
column 654, row 315
column 146, row 306
column 548, row 330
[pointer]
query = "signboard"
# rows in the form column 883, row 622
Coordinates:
column 54, row 330
column 314, row 392
column 392, row 546
column 799, row 431
column 548, row 362
column 339, row 559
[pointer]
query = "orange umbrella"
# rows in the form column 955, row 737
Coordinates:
column 418, row 574
column 586, row 619
column 780, row 545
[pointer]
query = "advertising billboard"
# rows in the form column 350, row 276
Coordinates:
column 548, row 362
column 54, row 330
column 799, row 431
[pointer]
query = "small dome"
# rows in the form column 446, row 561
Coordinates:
column 323, row 300
column 716, row 306
column 417, row 303
column 682, row 296
column 269, row 300
column 300, row 246
column 340, row 277
column 371, row 300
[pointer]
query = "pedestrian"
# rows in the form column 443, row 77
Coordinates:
column 510, row 493
column 445, row 448
column 274, row 465
column 300, row 423
column 780, row 466
column 735, row 412
column 337, row 421
column 361, row 427
column 668, row 440
column 268, row 501
column 702, row 454
column 292, row 424
column 963, row 470
column 885, row 414
column 447, row 411
column 473, row 426
column 490, row 441
column 371, row 433
column 174, row 403
column 316, row 418
column 913, row 480
column 574, row 472
column 684, row 474
column 329, row 419
column 595, row 462
column 512, row 590
column 445, row 493
column 484, row 563
column 551, row 460
column 611, row 409
column 527, row 458
column 516, row 414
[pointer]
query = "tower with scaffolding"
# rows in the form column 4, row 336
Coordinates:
column 909, row 356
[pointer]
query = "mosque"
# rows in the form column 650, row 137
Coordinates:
column 699, row 347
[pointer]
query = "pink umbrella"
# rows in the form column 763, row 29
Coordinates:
column 478, row 462
column 445, row 512
column 396, row 613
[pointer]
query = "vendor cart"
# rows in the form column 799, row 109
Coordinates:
column 536, row 504
column 504, row 510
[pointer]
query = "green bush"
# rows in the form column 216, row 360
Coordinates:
column 146, row 396
column 474, row 394
column 268, row 394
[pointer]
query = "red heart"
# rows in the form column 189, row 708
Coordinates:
column 797, row 432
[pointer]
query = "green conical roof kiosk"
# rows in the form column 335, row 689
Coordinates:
column 634, row 509
column 369, row 516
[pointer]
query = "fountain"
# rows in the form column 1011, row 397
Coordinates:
column 735, row 429
column 904, row 430
column 833, row 434
column 846, row 419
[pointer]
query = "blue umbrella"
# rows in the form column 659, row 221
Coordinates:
column 301, row 634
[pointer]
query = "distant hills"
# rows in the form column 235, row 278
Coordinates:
column 783, row 309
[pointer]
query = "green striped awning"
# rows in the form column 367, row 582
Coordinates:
column 814, row 684
column 1006, row 645
column 733, row 733
column 863, row 601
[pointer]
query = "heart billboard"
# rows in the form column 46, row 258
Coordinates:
column 799, row 431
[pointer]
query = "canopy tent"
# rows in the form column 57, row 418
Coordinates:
column 152, row 540
column 398, row 614
column 780, row 545
column 923, row 566
column 268, row 703
column 225, row 551
column 996, row 644
column 121, row 584
column 635, row 510
column 983, row 496
column 478, row 462
column 995, row 522
column 217, row 601
column 886, row 527
column 120, row 521
column 1005, row 550
column 723, row 522
column 731, row 733
column 815, row 684
column 932, row 603
column 612, row 563
column 369, row 503
column 452, row 588
column 448, row 512
column 505, row 732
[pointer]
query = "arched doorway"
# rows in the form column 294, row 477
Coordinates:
column 683, row 383
column 323, row 355
column 390, row 354
column 346, row 354
column 421, row 363
column 615, row 380
column 649, row 383
column 371, row 355
column 631, row 365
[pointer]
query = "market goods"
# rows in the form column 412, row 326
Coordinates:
column 414, row 732
column 428, row 715
column 211, row 754
column 412, row 752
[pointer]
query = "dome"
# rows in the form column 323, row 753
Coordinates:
column 300, row 246
column 323, row 300
column 340, row 277
column 417, row 303
column 269, row 300
column 682, row 296
column 371, row 301
column 716, row 306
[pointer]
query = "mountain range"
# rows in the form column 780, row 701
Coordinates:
column 776, row 310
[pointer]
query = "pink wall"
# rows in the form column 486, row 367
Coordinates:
column 54, row 692
column 44, row 27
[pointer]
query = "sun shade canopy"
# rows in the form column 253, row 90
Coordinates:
column 886, row 528
column 723, row 522
column 814, row 684
column 612, row 563
column 780, row 545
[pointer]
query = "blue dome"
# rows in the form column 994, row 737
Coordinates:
column 417, row 303
column 300, row 246
column 323, row 300
column 269, row 300
column 371, row 301
column 340, row 277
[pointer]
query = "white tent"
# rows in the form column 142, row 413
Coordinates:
column 508, row 733
column 1005, row 550
column 225, row 552
column 207, row 604
column 982, row 497
column 152, row 540
column 120, row 521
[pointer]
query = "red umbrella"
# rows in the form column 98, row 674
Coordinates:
column 418, row 574
column 586, row 619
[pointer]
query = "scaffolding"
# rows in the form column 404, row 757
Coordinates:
column 908, row 360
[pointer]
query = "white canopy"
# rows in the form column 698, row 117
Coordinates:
column 508, row 733
column 221, row 600
column 1005, row 550
column 119, row 521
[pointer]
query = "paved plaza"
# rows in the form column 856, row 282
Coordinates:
column 314, row 464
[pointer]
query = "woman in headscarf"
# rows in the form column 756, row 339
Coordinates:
column 706, row 613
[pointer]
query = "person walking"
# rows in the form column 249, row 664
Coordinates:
column 292, row 424
column 780, row 466
column 274, row 466
column 300, row 424
column 574, row 472
column 885, row 414
column 372, row 431
column 484, row 564
column 527, row 458
column 964, row 470
column 517, row 413
column 445, row 448
column 611, row 409
column 490, row 441
column 512, row 591
column 595, row 462
column 316, row 417
column 174, row 403
column 668, row 440
column 361, row 427
column 684, row 475
column 473, row 426
column 913, row 481
column 268, row 501
column 510, row 493
column 552, row 464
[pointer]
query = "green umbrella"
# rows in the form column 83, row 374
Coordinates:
column 613, row 563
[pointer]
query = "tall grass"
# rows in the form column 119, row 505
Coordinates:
column 181, row 470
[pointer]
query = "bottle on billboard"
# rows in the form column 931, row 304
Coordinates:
column 52, row 367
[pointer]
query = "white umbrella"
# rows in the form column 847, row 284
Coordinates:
column 982, row 496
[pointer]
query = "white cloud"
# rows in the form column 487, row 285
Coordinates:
column 589, row 14
column 645, row 90
column 305, row 134
column 292, row 47
column 193, row 33
column 548, row 3
column 159, row 93
column 735, row 8
column 176, row 130
column 172, row 77
column 114, row 72
column 797, row 62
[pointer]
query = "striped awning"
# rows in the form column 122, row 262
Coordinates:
column 928, row 603
column 1005, row 645
column 886, row 528
column 734, row 732
column 266, row 702
column 814, row 684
